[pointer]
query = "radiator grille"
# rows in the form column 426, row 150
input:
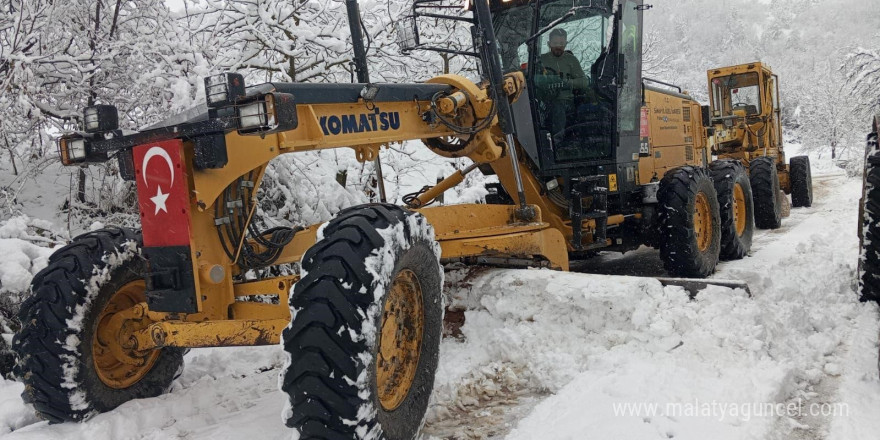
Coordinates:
column 689, row 153
column 686, row 114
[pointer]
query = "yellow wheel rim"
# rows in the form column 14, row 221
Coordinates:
column 739, row 209
column 702, row 222
column 400, row 340
column 110, row 339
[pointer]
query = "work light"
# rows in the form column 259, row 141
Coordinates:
column 267, row 113
column 72, row 150
column 253, row 115
column 100, row 118
column 406, row 34
column 224, row 89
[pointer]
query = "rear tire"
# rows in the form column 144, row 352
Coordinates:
column 801, row 182
column 869, row 227
column 736, row 208
column 690, row 230
column 70, row 299
column 765, row 189
column 377, row 268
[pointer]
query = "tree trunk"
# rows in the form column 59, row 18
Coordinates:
column 81, row 185
column 11, row 156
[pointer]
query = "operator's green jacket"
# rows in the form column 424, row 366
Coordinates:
column 568, row 68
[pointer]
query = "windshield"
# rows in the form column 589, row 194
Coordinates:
column 736, row 92
column 566, row 69
column 587, row 32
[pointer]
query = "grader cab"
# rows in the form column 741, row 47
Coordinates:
column 590, row 157
column 745, row 119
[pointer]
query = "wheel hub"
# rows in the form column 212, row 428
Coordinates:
column 117, row 361
column 702, row 222
column 400, row 340
column 739, row 209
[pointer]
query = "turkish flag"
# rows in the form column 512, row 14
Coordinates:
column 162, row 187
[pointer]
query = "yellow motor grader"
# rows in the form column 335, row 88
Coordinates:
column 111, row 315
column 745, row 125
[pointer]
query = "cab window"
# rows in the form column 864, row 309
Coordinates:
column 736, row 92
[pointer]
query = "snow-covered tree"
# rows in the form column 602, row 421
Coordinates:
column 863, row 76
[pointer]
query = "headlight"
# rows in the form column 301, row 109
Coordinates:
column 76, row 148
column 72, row 150
column 225, row 89
column 100, row 118
column 269, row 113
column 253, row 115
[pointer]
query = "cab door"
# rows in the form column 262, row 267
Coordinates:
column 629, row 96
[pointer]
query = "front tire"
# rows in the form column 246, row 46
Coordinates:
column 736, row 208
column 801, row 182
column 690, row 231
column 364, row 338
column 66, row 342
column 869, row 226
column 765, row 188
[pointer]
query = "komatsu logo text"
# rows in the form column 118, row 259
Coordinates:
column 375, row 121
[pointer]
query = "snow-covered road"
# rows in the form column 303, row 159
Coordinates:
column 555, row 355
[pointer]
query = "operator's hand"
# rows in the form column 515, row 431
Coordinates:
column 551, row 82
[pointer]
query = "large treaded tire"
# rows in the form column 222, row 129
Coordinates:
column 60, row 379
column 727, row 174
column 7, row 359
column 801, row 182
column 765, row 191
column 679, row 247
column 869, row 227
column 336, row 307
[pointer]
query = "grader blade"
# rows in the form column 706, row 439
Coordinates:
column 694, row 285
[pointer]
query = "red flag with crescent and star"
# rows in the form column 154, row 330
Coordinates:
column 162, row 193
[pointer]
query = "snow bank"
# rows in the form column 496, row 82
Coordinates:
column 22, row 246
column 21, row 261
column 728, row 357
column 619, row 338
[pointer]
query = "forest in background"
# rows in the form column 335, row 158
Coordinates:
column 149, row 59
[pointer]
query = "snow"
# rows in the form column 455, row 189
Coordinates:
column 554, row 355
column 21, row 261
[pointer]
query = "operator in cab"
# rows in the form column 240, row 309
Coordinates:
column 560, row 78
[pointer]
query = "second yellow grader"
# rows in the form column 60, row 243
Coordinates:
column 744, row 120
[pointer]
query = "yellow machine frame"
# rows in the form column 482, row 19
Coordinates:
column 738, row 135
column 463, row 231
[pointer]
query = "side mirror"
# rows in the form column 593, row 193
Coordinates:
column 407, row 34
column 707, row 120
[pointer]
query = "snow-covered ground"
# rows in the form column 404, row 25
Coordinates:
column 553, row 355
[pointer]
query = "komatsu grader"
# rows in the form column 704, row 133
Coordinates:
column 744, row 120
column 112, row 314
